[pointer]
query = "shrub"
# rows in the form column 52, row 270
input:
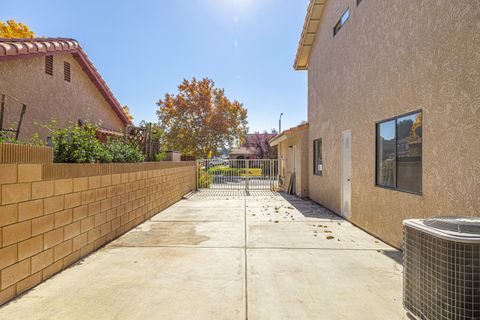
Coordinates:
column 205, row 179
column 161, row 156
column 79, row 144
column 124, row 152
column 7, row 136
column 75, row 144
column 6, row 139
column 244, row 172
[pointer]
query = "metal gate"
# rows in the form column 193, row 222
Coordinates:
column 241, row 174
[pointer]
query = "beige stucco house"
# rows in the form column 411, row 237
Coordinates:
column 394, row 106
column 292, row 146
column 55, row 79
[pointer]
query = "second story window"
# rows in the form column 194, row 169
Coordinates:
column 66, row 71
column 49, row 65
column 341, row 22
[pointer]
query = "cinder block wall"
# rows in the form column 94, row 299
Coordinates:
column 51, row 215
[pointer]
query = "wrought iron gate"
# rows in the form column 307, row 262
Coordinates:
column 242, row 174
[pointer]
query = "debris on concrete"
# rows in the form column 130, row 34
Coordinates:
column 199, row 249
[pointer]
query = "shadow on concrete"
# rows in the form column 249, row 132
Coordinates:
column 310, row 209
column 395, row 255
column 236, row 193
column 220, row 193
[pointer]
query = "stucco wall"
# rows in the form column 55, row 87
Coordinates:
column 300, row 140
column 49, row 97
column 52, row 215
column 390, row 58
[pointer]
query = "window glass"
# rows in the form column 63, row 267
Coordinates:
column 386, row 154
column 409, row 153
column 341, row 22
column 345, row 17
column 399, row 153
column 317, row 157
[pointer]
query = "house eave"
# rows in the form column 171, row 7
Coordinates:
column 287, row 134
column 309, row 33
column 276, row 141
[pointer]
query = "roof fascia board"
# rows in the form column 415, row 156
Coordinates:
column 304, row 48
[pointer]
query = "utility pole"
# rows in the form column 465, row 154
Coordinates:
column 280, row 124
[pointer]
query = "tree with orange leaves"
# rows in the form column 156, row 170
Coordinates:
column 126, row 110
column 12, row 29
column 200, row 120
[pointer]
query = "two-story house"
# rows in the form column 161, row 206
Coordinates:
column 393, row 109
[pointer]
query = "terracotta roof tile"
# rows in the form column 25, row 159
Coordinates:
column 8, row 50
column 40, row 46
column 23, row 48
column 30, row 47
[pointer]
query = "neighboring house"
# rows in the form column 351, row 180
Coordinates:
column 393, row 109
column 255, row 147
column 55, row 79
column 238, row 153
column 292, row 145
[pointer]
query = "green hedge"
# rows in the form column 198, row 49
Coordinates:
column 205, row 179
column 222, row 171
column 79, row 144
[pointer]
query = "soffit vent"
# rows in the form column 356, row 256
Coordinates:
column 49, row 65
column 66, row 71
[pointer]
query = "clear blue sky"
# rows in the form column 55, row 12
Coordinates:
column 144, row 49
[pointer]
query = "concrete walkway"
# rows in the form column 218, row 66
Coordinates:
column 220, row 255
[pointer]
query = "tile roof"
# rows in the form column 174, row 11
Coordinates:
column 282, row 136
column 24, row 48
column 242, row 150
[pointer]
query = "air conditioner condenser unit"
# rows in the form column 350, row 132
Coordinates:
column 442, row 268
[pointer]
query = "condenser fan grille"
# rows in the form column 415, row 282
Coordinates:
column 470, row 225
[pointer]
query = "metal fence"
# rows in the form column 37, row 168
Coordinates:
column 255, row 174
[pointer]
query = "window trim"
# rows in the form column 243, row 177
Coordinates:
column 315, row 171
column 377, row 123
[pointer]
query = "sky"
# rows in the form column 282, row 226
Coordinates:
column 145, row 48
